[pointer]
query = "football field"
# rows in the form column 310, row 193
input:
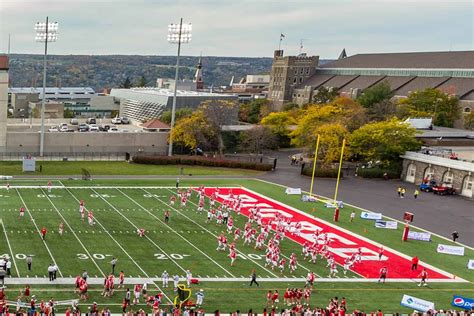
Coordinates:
column 188, row 243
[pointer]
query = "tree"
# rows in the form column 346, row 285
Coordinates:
column 325, row 95
column 217, row 114
column 280, row 124
column 383, row 141
column 441, row 106
column 68, row 113
column 290, row 106
column 257, row 139
column 342, row 110
column 330, row 142
column 469, row 121
column 377, row 102
column 193, row 131
column 253, row 111
column 126, row 83
column 375, row 94
column 179, row 114
column 142, row 82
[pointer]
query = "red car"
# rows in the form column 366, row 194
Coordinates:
column 444, row 189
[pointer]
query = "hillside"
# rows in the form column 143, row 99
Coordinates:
column 109, row 71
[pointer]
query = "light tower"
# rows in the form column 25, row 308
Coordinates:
column 177, row 34
column 45, row 32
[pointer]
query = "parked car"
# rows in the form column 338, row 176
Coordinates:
column 53, row 129
column 125, row 120
column 444, row 189
column 116, row 120
column 74, row 121
column 104, row 128
column 83, row 127
column 93, row 128
column 113, row 130
column 91, row 120
column 427, row 187
column 64, row 128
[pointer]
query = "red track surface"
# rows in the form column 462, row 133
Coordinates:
column 343, row 242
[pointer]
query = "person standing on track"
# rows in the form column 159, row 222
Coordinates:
column 414, row 263
column 424, row 277
column 383, row 275
column 177, row 183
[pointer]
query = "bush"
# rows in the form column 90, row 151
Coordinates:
column 320, row 173
column 201, row 161
column 372, row 173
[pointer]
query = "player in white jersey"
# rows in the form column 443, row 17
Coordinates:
column 165, row 277
column 175, row 281
column 189, row 276
column 333, row 270
column 61, row 228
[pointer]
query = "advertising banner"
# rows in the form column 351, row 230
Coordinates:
column 419, row 236
column 470, row 264
column 293, row 191
column 372, row 216
column 417, row 303
column 386, row 224
column 462, row 302
column 450, row 250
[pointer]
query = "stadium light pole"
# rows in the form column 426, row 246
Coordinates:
column 177, row 34
column 45, row 32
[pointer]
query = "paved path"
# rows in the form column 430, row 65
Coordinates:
column 439, row 214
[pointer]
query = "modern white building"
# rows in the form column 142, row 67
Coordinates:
column 143, row 104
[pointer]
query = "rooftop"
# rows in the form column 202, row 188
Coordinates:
column 414, row 60
column 52, row 90
column 167, row 92
column 155, row 124
column 440, row 161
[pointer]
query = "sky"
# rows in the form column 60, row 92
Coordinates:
column 241, row 27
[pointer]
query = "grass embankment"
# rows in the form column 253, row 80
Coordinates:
column 60, row 168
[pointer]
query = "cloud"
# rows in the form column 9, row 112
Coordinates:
column 242, row 28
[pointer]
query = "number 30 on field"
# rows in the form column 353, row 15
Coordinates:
column 97, row 256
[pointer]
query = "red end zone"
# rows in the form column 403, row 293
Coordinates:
column 343, row 244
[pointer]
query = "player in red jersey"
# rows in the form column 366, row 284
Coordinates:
column 141, row 232
column 383, row 275
column 50, row 185
column 424, row 276
column 43, row 233
column 275, row 299
column 233, row 256
column 90, row 217
column 22, row 211
column 82, row 209
column 172, row 200
column 381, row 251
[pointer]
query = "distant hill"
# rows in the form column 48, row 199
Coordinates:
column 108, row 71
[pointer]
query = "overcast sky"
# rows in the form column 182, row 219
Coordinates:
column 242, row 27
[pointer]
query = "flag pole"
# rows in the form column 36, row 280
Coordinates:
column 339, row 171
column 314, row 165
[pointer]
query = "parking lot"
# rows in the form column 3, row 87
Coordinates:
column 101, row 125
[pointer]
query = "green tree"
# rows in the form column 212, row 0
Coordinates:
column 68, row 113
column 180, row 113
column 290, row 106
column 441, row 106
column 126, row 83
column 383, row 141
column 253, row 111
column 330, row 142
column 375, row 94
column 469, row 121
column 377, row 101
column 142, row 82
column 325, row 95
column 193, row 131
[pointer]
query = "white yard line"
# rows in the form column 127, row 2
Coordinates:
column 204, row 228
column 74, row 233
column 10, row 247
column 366, row 210
column 38, row 230
column 136, row 228
column 124, row 251
column 131, row 281
column 169, row 227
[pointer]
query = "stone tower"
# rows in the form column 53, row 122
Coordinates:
column 288, row 72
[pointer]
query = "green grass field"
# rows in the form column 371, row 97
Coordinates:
column 187, row 242
column 58, row 168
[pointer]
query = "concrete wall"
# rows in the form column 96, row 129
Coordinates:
column 100, row 142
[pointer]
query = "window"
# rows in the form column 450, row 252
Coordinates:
column 301, row 79
column 301, row 71
column 307, row 71
column 294, row 80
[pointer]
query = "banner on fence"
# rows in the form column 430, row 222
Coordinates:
column 470, row 264
column 416, row 303
column 293, row 191
column 386, row 224
column 419, row 236
column 372, row 216
column 450, row 250
column 462, row 302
